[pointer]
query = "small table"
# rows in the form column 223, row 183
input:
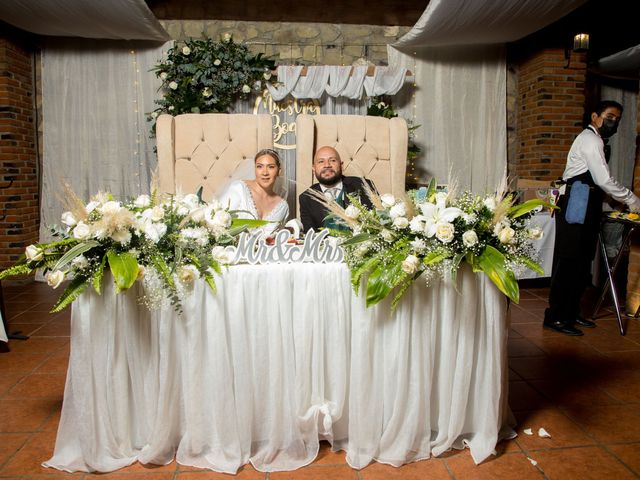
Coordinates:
column 629, row 227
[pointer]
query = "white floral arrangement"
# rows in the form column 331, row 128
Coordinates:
column 166, row 244
column 427, row 232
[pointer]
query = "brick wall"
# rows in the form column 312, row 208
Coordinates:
column 550, row 108
column 633, row 279
column 19, row 204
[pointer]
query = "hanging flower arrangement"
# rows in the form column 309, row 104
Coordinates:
column 205, row 76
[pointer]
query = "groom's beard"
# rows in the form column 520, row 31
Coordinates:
column 330, row 181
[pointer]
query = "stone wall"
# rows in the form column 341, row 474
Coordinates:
column 298, row 43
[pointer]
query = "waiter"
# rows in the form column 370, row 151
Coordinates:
column 575, row 243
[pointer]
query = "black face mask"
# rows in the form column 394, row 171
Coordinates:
column 609, row 127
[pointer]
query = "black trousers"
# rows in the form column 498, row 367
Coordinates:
column 573, row 252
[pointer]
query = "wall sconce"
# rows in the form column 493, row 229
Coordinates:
column 580, row 45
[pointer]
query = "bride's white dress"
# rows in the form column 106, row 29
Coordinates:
column 238, row 197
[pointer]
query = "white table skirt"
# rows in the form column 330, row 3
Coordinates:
column 544, row 246
column 279, row 358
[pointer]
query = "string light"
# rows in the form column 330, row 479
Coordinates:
column 136, row 93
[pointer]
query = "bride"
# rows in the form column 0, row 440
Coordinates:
column 257, row 198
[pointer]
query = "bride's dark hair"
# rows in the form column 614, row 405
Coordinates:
column 270, row 152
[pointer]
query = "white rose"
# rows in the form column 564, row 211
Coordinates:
column 217, row 62
column 266, row 75
column 444, row 232
column 206, row 92
column 506, row 235
column 191, row 200
column 154, row 231
column 186, row 50
column 387, row 235
column 400, row 222
column 80, row 262
column 535, row 233
column 246, row 88
column 171, row 108
column 220, row 255
column 352, row 212
column 163, row 76
column 68, row 219
column 227, row 37
column 122, row 236
column 410, row 264
column 490, row 203
column 82, row 231
column 381, row 105
column 441, row 198
column 188, row 274
column 501, row 225
column 398, row 210
column 54, row 279
column 157, row 213
column 173, row 86
column 221, row 218
column 91, row 206
column 417, row 224
column 388, row 200
column 142, row 201
column 469, row 238
column 110, row 207
column 33, row 253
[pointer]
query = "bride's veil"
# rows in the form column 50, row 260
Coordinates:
column 246, row 170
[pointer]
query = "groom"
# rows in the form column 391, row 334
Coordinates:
column 327, row 167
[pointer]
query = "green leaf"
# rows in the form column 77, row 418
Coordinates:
column 381, row 281
column 124, row 268
column 74, row 252
column 73, row 291
column 210, row 281
column 493, row 263
column 96, row 280
column 435, row 256
column 248, row 223
column 366, row 267
column 19, row 269
column 404, row 286
column 530, row 264
column 359, row 238
column 526, row 207
column 163, row 269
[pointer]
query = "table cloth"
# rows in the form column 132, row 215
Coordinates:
column 544, row 246
column 279, row 358
column 3, row 334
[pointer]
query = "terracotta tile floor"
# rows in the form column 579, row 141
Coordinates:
column 584, row 391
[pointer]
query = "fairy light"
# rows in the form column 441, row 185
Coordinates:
column 136, row 92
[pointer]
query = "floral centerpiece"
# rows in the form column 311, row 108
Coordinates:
column 427, row 233
column 202, row 76
column 165, row 243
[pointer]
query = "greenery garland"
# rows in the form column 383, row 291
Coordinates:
column 205, row 76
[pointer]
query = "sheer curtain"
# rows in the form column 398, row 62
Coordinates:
column 95, row 97
column 459, row 101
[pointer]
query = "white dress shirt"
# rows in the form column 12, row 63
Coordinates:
column 587, row 153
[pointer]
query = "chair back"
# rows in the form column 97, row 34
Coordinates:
column 204, row 150
column 371, row 147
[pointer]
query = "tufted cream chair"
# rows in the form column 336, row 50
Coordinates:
column 205, row 149
column 373, row 147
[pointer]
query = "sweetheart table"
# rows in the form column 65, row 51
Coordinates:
column 281, row 357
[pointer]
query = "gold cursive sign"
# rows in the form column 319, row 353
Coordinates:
column 284, row 115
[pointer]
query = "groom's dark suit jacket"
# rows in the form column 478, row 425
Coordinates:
column 312, row 212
